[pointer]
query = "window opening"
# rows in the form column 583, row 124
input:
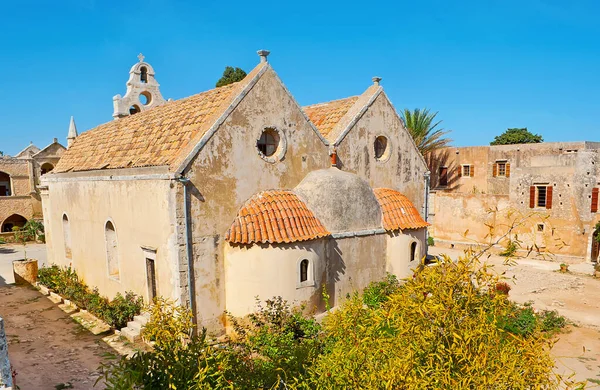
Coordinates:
column 381, row 144
column 134, row 109
column 443, row 176
column 303, row 270
column 46, row 167
column 111, row 250
column 5, row 184
column 413, row 251
column 268, row 142
column 541, row 196
column 466, row 170
column 151, row 275
column 67, row 236
column 540, row 227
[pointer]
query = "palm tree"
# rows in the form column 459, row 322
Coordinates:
column 421, row 125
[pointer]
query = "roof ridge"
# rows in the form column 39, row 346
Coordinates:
column 330, row 101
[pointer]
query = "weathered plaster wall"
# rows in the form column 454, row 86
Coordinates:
column 569, row 168
column 229, row 170
column 402, row 170
column 398, row 259
column 265, row 271
column 353, row 263
column 142, row 212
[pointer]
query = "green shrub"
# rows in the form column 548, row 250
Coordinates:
column 66, row 282
column 378, row 292
column 430, row 241
column 552, row 322
column 511, row 248
column 2, row 240
column 169, row 324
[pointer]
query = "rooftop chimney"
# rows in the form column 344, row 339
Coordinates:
column 55, row 140
column 263, row 54
column 376, row 80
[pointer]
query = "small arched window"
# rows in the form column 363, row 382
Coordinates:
column 112, row 255
column 413, row 251
column 303, row 270
column 134, row 109
column 143, row 75
column 67, row 236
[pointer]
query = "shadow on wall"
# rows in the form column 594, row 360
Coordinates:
column 336, row 267
column 444, row 170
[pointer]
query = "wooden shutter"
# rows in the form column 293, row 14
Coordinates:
column 495, row 170
column 460, row 169
column 507, row 169
column 471, row 170
column 594, row 200
column 531, row 197
column 549, row 197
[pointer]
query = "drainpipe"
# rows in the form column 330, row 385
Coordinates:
column 188, row 239
column 427, row 176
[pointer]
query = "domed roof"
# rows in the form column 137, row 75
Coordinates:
column 342, row 201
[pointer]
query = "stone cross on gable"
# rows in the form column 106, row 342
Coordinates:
column 141, row 57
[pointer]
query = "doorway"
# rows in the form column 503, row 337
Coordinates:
column 151, row 275
column 595, row 246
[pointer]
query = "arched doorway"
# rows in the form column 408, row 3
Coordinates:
column 595, row 245
column 46, row 167
column 413, row 251
column 12, row 221
column 5, row 184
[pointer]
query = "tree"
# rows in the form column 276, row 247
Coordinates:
column 517, row 136
column 231, row 75
column 424, row 130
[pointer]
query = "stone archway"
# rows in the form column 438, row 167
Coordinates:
column 12, row 221
column 595, row 245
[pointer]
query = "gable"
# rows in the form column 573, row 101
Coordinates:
column 161, row 136
column 53, row 150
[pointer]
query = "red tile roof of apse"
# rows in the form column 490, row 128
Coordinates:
column 398, row 211
column 160, row 136
column 275, row 216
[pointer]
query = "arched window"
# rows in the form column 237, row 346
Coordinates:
column 67, row 236
column 5, row 187
column 413, row 251
column 14, row 220
column 144, row 75
column 46, row 167
column 303, row 270
column 134, row 109
column 112, row 255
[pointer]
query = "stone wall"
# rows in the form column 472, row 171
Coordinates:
column 5, row 369
column 22, row 202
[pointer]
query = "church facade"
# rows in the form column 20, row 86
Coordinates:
column 238, row 192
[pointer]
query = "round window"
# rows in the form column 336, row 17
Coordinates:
column 268, row 143
column 381, row 147
column 145, row 98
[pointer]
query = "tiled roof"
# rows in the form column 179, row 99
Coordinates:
column 398, row 211
column 160, row 136
column 325, row 116
column 275, row 216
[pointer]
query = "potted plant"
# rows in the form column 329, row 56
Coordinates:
column 564, row 267
column 25, row 271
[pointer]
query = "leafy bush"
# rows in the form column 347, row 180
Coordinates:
column 449, row 327
column 378, row 292
column 511, row 248
column 169, row 324
column 2, row 240
column 430, row 241
column 66, row 282
column 552, row 322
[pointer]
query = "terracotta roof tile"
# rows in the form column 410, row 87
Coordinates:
column 325, row 116
column 398, row 212
column 161, row 136
column 275, row 216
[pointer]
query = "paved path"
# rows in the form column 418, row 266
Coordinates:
column 10, row 252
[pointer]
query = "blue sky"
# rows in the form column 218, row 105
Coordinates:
column 484, row 65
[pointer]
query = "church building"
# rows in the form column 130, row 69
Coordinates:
column 238, row 192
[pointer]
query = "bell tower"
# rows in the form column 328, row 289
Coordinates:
column 142, row 91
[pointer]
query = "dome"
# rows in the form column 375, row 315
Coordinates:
column 342, row 201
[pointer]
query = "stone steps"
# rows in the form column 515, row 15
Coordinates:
column 133, row 330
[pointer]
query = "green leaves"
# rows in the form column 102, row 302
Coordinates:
column 231, row 75
column 517, row 136
column 421, row 124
